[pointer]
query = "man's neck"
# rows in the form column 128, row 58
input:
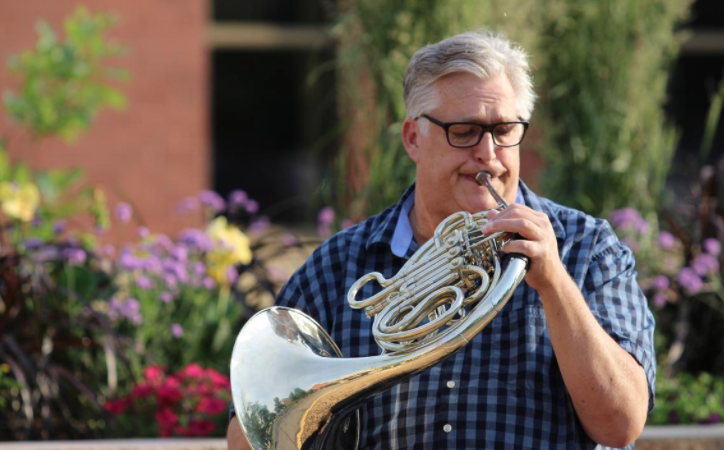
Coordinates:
column 422, row 227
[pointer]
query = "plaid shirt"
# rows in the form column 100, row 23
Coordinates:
column 503, row 390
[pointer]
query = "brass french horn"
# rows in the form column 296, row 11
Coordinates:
column 291, row 387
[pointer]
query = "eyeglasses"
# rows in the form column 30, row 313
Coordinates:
column 469, row 134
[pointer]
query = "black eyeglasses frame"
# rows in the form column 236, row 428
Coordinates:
column 484, row 128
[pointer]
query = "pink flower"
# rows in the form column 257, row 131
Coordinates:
column 201, row 427
column 704, row 264
column 115, row 406
column 219, row 381
column 142, row 390
column 659, row 300
column 661, row 282
column 154, row 374
column 712, row 246
column 666, row 240
column 193, row 370
column 689, row 281
column 211, row 406
column 166, row 418
column 169, row 392
column 177, row 330
column 124, row 212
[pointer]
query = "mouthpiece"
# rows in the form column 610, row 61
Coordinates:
column 483, row 179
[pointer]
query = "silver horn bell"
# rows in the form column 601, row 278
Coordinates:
column 291, row 387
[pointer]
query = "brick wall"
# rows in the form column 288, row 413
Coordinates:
column 156, row 151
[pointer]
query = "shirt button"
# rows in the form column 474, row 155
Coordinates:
column 447, row 428
column 451, row 384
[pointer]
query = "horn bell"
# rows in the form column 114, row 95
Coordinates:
column 292, row 390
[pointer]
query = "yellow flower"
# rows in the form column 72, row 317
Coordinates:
column 231, row 248
column 19, row 201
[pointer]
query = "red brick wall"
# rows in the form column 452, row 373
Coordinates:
column 156, row 151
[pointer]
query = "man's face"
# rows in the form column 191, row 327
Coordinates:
column 445, row 174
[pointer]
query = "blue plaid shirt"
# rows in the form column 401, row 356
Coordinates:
column 503, row 390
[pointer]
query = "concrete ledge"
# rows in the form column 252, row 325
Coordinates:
column 680, row 437
column 120, row 444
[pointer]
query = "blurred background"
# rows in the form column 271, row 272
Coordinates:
column 165, row 165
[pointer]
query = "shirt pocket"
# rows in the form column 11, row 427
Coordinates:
column 523, row 353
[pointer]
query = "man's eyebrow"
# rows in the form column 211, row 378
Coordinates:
column 496, row 119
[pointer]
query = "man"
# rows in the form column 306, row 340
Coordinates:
column 569, row 361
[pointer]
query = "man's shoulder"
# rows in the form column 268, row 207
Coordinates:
column 573, row 225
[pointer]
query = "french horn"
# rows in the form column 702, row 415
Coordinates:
column 291, row 387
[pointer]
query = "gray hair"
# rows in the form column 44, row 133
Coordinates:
column 484, row 54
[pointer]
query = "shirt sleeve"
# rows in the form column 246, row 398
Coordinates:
column 619, row 305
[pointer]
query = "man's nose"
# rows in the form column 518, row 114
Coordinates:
column 485, row 150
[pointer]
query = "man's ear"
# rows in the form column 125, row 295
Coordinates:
column 410, row 136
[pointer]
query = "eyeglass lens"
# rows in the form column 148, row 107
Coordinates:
column 470, row 134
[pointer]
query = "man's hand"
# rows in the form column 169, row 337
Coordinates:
column 537, row 241
column 607, row 386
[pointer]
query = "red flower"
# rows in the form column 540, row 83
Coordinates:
column 166, row 418
column 201, row 427
column 154, row 375
column 211, row 406
column 169, row 392
column 220, row 381
column 115, row 406
column 142, row 390
column 193, row 370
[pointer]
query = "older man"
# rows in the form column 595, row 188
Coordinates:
column 569, row 362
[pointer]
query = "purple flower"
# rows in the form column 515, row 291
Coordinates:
column 196, row 239
column 689, row 281
column 180, row 253
column 152, row 264
column 166, row 297
column 288, row 239
column 128, row 261
column 252, row 207
column 143, row 232
column 212, row 200
column 33, row 243
column 177, row 330
column 326, row 216
column 661, row 282
column 176, row 268
column 129, row 309
column 666, row 240
column 163, row 242
column 199, row 268
column 187, row 205
column 714, row 418
column 704, row 264
column 143, row 282
column 170, row 281
column 124, row 212
column 237, row 199
column 232, row 274
column 74, row 256
column 59, row 227
column 642, row 226
column 109, row 250
column 626, row 218
column 209, row 283
column 260, row 225
column 659, row 300
column 712, row 246
column 37, row 221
